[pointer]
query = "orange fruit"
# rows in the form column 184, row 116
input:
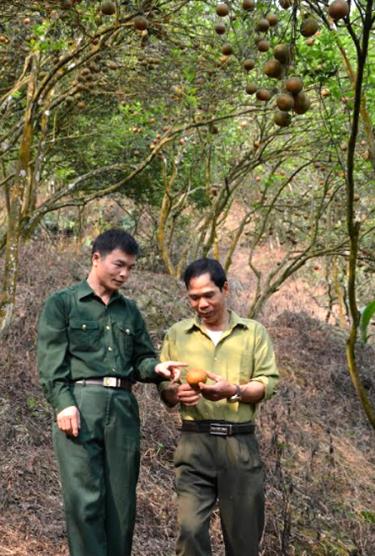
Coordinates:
column 195, row 376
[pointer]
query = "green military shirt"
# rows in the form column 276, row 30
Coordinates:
column 80, row 337
column 244, row 353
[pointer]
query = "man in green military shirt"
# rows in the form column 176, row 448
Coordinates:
column 92, row 347
column 217, row 457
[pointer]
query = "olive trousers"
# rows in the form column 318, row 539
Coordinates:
column 99, row 472
column 219, row 469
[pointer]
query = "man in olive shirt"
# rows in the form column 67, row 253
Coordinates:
column 217, row 458
column 92, row 346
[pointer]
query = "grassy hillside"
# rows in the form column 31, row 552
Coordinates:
column 316, row 443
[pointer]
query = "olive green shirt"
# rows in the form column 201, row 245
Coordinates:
column 244, row 353
column 80, row 337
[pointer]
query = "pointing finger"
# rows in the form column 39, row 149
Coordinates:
column 214, row 376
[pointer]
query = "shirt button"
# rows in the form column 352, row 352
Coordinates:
column 109, row 348
column 114, row 370
column 84, row 327
column 127, row 331
column 108, row 327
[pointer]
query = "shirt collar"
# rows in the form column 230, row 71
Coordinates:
column 234, row 320
column 84, row 290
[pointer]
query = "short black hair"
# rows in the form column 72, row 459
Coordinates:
column 115, row 238
column 204, row 266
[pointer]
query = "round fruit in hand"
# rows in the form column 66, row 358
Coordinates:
column 195, row 376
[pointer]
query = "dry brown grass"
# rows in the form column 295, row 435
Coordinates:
column 316, row 443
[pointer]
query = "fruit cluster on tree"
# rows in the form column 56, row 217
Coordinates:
column 270, row 33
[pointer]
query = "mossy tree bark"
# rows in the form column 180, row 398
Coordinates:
column 15, row 201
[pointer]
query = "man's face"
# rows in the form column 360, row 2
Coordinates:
column 207, row 300
column 112, row 270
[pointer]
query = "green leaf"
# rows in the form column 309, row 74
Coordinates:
column 366, row 316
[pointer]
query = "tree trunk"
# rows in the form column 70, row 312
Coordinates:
column 353, row 224
column 16, row 193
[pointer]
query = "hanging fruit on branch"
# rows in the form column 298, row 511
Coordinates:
column 309, row 27
column 282, row 53
column 227, row 49
column 282, row 118
column 301, row 103
column 140, row 23
column 108, row 8
column 251, row 88
column 248, row 5
column 222, row 9
column 263, row 94
column 338, row 9
column 294, row 85
column 263, row 45
column 249, row 64
column 220, row 28
column 272, row 19
column 290, row 97
column 262, row 25
column 285, row 101
column 273, row 68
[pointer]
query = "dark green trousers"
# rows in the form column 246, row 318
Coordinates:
column 99, row 472
column 227, row 470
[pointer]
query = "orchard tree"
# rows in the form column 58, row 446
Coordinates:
column 275, row 53
column 73, row 72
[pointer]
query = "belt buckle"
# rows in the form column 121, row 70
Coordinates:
column 110, row 382
column 218, row 429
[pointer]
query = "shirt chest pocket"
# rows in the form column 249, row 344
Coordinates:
column 125, row 336
column 84, row 335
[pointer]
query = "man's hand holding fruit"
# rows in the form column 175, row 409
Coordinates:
column 189, row 393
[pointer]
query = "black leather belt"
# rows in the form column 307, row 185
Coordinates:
column 218, row 428
column 108, row 382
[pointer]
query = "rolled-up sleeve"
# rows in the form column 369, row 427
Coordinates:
column 265, row 368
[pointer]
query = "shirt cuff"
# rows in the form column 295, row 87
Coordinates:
column 268, row 389
column 147, row 372
column 63, row 400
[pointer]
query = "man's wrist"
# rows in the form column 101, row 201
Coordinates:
column 236, row 395
column 169, row 395
column 233, row 390
column 253, row 392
